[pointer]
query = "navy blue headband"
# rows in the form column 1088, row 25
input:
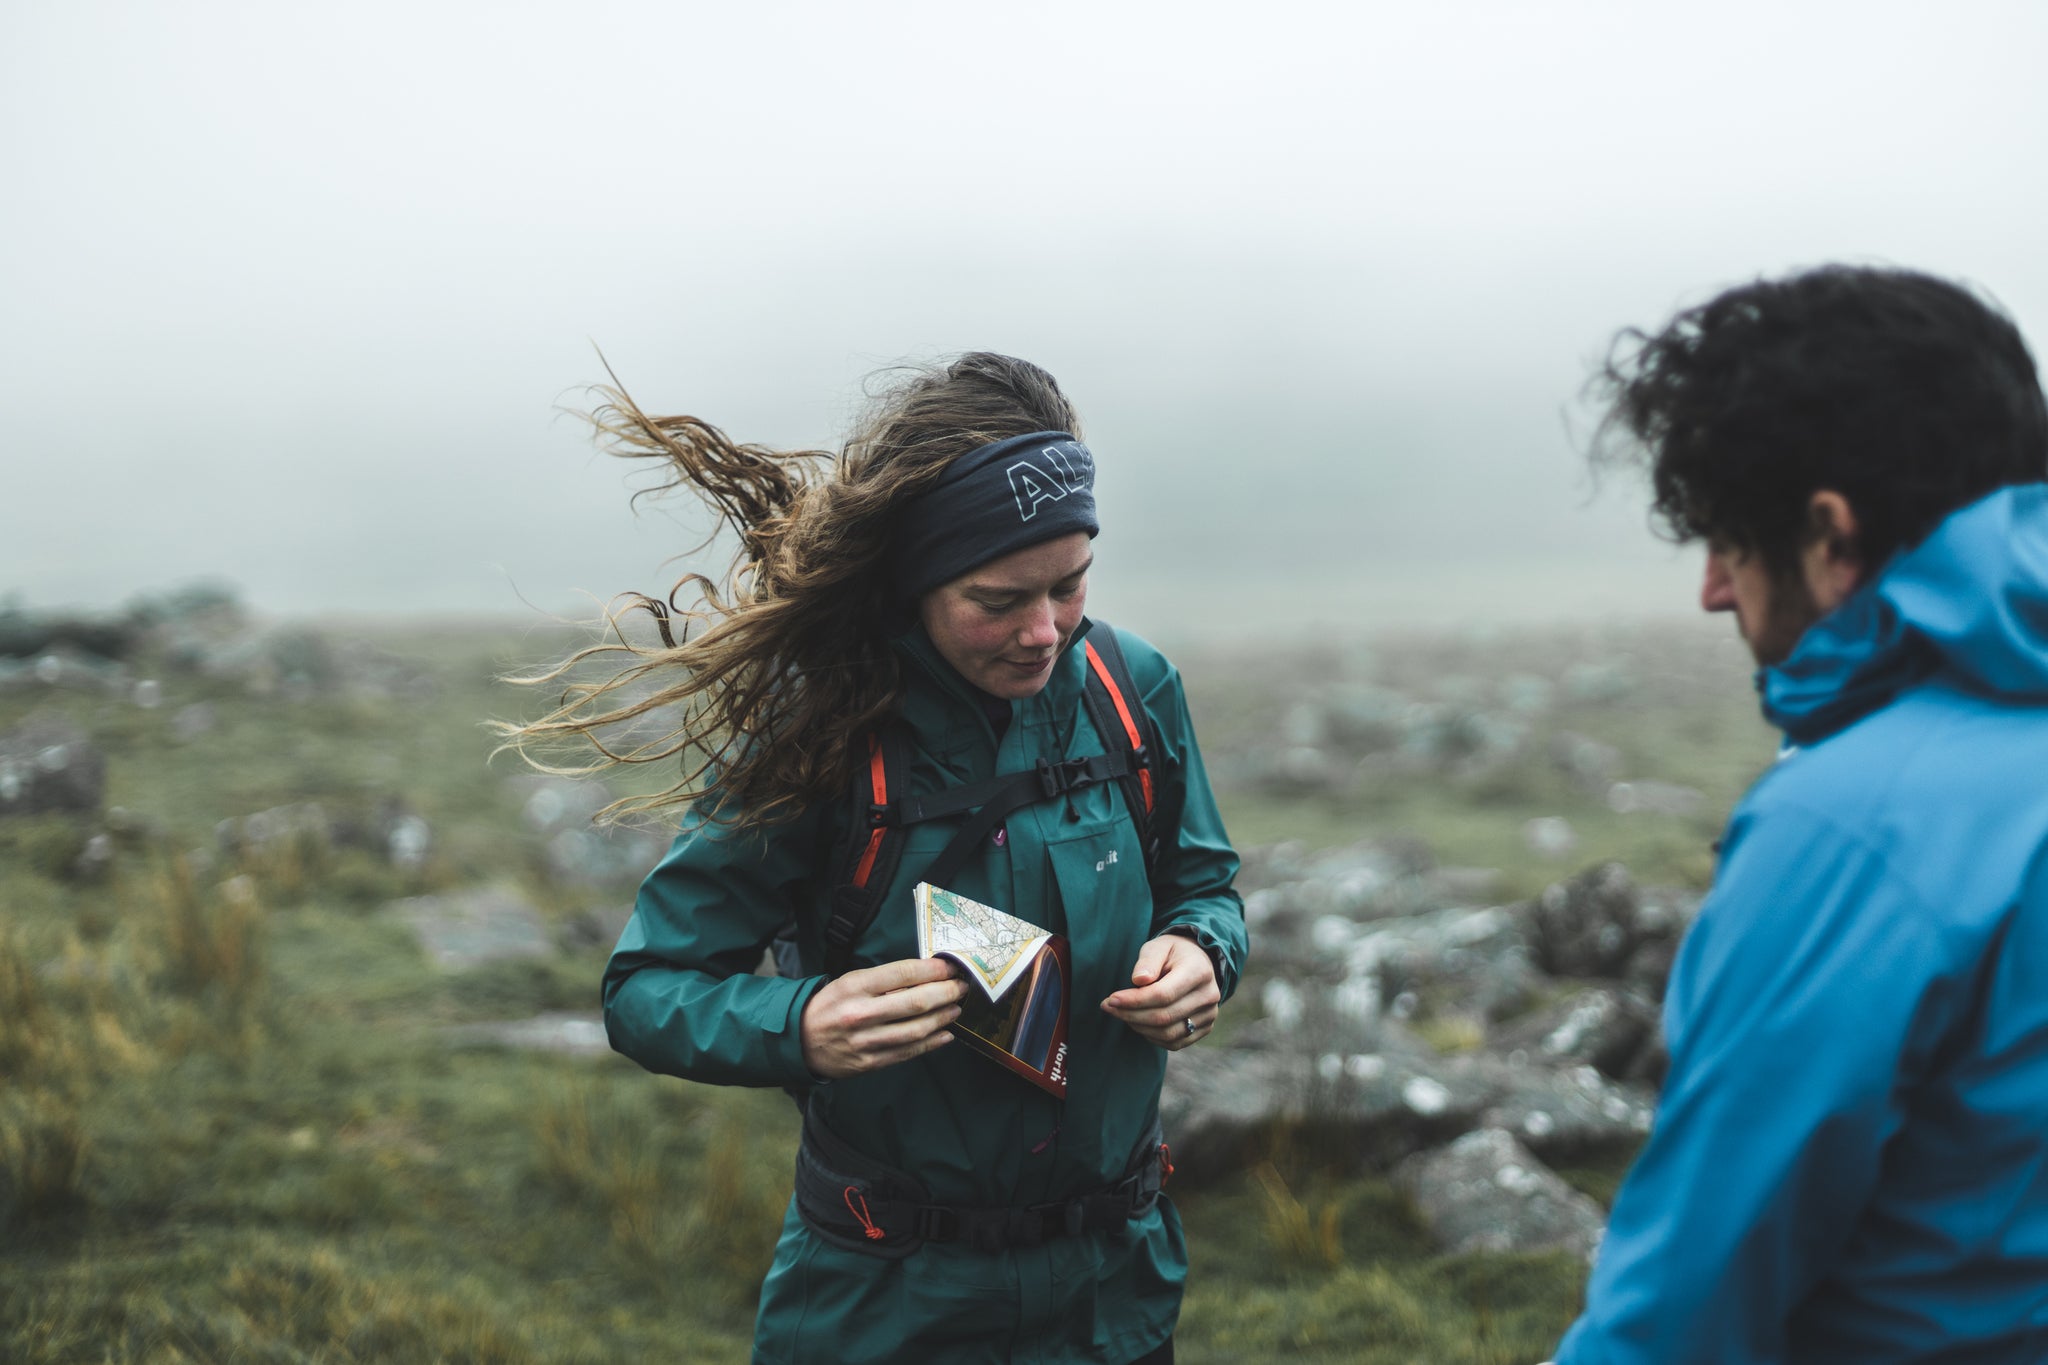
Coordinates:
column 996, row 499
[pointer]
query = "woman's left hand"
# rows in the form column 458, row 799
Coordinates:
column 1174, row 998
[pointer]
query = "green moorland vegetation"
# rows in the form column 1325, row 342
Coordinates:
column 232, row 1127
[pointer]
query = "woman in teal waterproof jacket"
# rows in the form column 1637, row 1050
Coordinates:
column 931, row 577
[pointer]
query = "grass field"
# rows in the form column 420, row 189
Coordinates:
column 232, row 1129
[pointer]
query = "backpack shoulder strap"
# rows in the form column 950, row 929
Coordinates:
column 867, row 859
column 1120, row 718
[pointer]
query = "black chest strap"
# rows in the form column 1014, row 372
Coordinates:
column 875, row 847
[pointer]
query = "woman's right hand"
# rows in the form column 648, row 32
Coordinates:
column 879, row 1016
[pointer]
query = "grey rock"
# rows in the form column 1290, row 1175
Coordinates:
column 1649, row 967
column 1300, row 770
column 48, row 766
column 1603, row 680
column 1587, row 925
column 576, row 852
column 28, row 634
column 390, row 830
column 1550, row 836
column 1365, row 1096
column 1565, row 1115
column 567, row 1033
column 95, row 860
column 465, row 928
column 205, row 631
column 265, row 830
column 1654, row 798
column 1604, row 1027
column 1478, row 958
column 1365, row 720
column 1591, row 764
column 1487, row 1192
column 67, row 668
column 602, row 857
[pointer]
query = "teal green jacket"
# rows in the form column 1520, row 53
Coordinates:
column 680, row 998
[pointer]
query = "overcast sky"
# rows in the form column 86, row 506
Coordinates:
column 290, row 296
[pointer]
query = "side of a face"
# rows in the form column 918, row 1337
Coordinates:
column 1002, row 625
column 1771, row 611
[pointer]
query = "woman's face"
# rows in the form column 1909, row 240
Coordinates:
column 1002, row 625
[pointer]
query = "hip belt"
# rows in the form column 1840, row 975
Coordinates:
column 856, row 1203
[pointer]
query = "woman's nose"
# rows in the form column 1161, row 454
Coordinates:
column 1040, row 631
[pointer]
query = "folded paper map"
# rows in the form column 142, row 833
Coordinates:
column 1019, row 1018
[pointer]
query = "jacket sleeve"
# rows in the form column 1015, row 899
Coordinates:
column 680, row 996
column 1805, row 1000
column 1193, row 894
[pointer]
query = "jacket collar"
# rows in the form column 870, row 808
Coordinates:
column 1971, row 600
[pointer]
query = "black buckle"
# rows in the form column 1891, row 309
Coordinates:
column 936, row 1223
column 1027, row 1227
column 878, row 814
column 1057, row 779
column 1050, row 779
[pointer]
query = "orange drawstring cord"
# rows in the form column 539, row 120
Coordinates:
column 874, row 1234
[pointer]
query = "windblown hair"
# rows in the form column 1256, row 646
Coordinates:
column 766, row 688
column 1907, row 394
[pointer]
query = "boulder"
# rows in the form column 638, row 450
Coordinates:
column 567, row 1033
column 391, row 830
column 1587, row 925
column 465, row 928
column 1605, row 1027
column 1569, row 1115
column 1487, row 1192
column 1364, row 1096
column 48, row 766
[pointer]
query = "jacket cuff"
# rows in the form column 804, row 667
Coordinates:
column 1226, row 981
column 786, row 1043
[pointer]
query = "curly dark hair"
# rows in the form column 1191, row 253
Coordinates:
column 767, row 684
column 1909, row 395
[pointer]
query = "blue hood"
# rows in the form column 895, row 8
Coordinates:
column 1971, row 600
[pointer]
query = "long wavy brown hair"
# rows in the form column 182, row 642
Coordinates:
column 763, row 687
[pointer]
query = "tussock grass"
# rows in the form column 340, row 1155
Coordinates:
column 24, row 1015
column 1295, row 1235
column 682, row 1190
column 42, row 1156
column 211, row 938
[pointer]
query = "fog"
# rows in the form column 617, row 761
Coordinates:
column 296, row 299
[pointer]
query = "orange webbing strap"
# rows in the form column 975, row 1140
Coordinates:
column 1123, row 712
column 878, row 785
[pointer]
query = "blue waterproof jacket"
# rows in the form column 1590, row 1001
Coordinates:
column 1850, row 1161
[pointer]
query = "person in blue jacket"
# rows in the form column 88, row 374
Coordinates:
column 1850, row 1159
column 929, row 581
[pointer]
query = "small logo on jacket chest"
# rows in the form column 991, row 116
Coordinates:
column 1106, row 861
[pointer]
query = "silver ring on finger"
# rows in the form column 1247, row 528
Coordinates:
column 1190, row 1022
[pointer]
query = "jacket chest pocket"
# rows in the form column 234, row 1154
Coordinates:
column 1105, row 903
